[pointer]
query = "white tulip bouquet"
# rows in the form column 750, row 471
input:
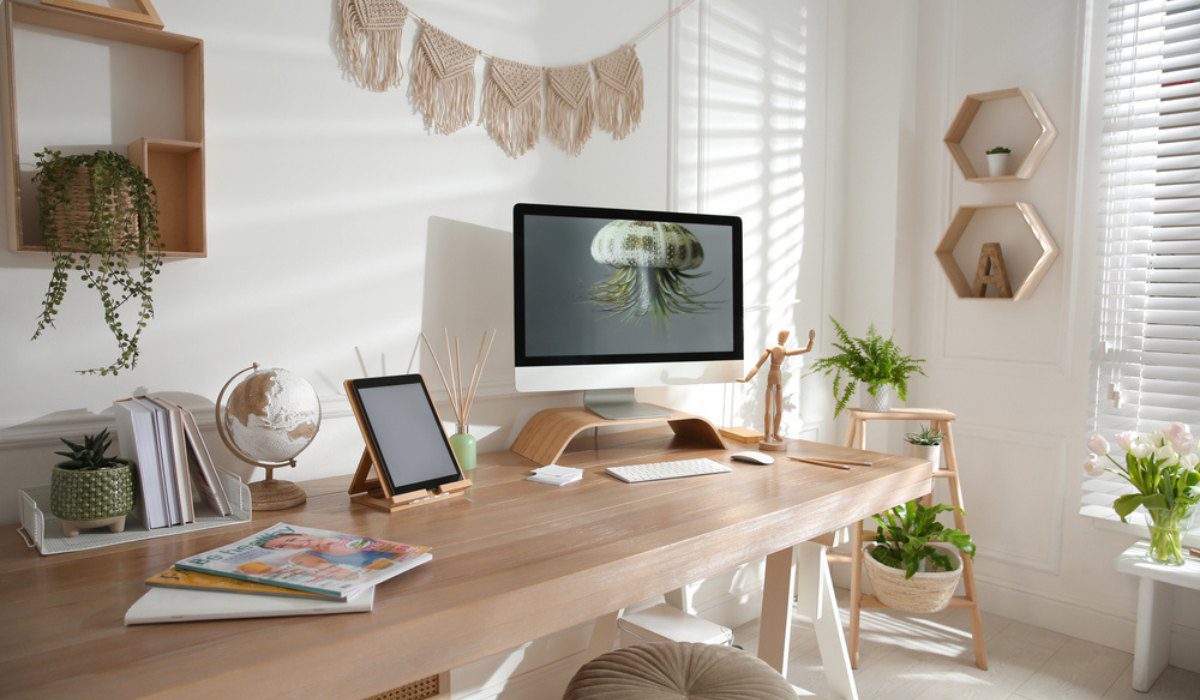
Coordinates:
column 1162, row 467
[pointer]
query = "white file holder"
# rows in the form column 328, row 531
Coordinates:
column 42, row 530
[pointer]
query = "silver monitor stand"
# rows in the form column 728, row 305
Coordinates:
column 619, row 404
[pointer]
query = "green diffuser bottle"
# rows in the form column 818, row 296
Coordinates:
column 463, row 444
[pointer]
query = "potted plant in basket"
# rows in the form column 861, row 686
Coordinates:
column 926, row 445
column 875, row 362
column 99, row 214
column 914, row 563
column 997, row 160
column 1162, row 469
column 90, row 488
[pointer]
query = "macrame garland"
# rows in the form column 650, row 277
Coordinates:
column 512, row 105
column 370, row 41
column 570, row 109
column 441, row 83
column 618, row 91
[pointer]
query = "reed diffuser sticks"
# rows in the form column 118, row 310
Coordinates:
column 461, row 392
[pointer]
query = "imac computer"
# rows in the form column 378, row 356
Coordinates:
column 606, row 300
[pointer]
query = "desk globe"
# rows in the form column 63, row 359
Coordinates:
column 271, row 416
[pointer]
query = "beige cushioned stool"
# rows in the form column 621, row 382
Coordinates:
column 674, row 670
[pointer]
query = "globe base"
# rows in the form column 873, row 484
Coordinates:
column 275, row 494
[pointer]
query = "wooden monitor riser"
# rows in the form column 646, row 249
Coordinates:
column 546, row 435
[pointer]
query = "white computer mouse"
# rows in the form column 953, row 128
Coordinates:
column 753, row 457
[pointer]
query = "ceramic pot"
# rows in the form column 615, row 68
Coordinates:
column 925, row 592
column 879, row 402
column 933, row 453
column 997, row 164
column 91, row 498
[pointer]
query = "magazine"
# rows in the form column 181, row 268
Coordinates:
column 307, row 559
column 197, row 581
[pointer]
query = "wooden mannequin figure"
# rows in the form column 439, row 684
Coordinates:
column 773, row 413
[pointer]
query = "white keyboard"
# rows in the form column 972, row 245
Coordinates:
column 634, row 473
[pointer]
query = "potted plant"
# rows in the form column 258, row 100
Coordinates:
column 1162, row 468
column 90, row 488
column 98, row 214
column 926, row 445
column 997, row 160
column 875, row 362
column 914, row 563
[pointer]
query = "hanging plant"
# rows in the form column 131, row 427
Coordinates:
column 99, row 214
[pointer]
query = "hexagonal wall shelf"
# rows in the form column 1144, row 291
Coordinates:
column 966, row 115
column 962, row 218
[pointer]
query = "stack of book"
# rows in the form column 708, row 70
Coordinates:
column 163, row 440
column 555, row 475
column 283, row 570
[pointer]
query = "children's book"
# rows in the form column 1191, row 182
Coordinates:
column 197, row 581
column 307, row 559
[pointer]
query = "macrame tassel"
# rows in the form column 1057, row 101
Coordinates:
column 570, row 109
column 512, row 105
column 619, row 91
column 370, row 42
column 441, row 83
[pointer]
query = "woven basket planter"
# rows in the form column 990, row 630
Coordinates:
column 75, row 212
column 925, row 592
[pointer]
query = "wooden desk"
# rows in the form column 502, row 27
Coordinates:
column 513, row 561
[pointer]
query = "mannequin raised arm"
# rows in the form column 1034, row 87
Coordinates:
column 812, row 335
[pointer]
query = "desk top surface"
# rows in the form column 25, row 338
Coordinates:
column 513, row 561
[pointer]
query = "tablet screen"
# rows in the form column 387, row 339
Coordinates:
column 408, row 435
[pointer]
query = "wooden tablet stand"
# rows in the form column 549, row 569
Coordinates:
column 546, row 435
column 370, row 488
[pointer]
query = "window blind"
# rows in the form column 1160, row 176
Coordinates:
column 1146, row 366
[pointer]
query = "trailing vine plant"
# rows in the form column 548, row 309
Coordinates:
column 122, row 226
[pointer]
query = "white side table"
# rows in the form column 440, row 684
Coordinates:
column 1152, row 638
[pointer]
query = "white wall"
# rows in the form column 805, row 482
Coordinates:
column 1015, row 373
column 334, row 221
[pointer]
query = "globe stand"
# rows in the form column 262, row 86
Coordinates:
column 275, row 494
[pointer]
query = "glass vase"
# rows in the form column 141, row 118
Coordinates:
column 1167, row 528
column 463, row 444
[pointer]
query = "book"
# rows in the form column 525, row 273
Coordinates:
column 198, row 462
column 136, row 443
column 179, row 605
column 166, row 465
column 177, row 446
column 307, row 559
column 197, row 581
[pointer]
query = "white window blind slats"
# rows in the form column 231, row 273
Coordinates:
column 1146, row 365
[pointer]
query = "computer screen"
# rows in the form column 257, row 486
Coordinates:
column 606, row 286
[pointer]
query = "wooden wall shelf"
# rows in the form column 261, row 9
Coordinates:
column 175, row 167
column 966, row 116
column 958, row 226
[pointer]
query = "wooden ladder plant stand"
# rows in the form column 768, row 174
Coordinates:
column 941, row 421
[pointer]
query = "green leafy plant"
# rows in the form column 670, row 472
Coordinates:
column 927, row 437
column 874, row 360
column 998, row 149
column 904, row 534
column 122, row 227
column 90, row 456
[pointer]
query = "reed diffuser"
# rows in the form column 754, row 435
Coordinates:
column 462, row 393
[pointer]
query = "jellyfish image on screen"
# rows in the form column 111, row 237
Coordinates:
column 651, row 263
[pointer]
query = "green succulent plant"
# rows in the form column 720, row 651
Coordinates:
column 904, row 534
column 90, row 456
column 874, row 360
column 997, row 150
column 927, row 437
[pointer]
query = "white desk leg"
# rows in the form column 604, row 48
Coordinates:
column 604, row 634
column 775, row 622
column 815, row 600
column 1152, row 638
column 682, row 598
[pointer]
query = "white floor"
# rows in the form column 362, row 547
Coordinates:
column 929, row 656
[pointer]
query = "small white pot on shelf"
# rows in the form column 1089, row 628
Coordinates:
column 879, row 402
column 997, row 164
column 933, row 453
